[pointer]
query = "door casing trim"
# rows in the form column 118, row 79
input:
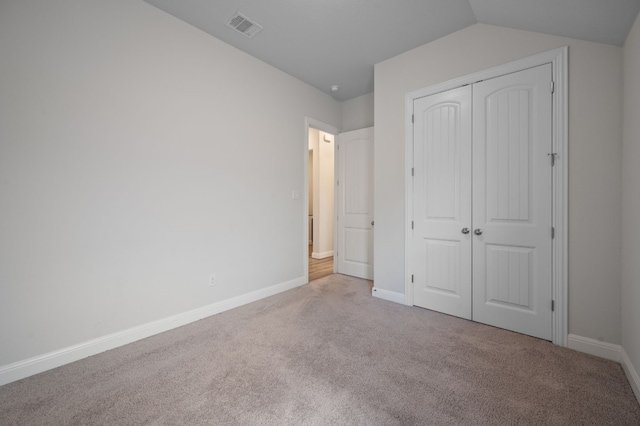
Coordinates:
column 558, row 58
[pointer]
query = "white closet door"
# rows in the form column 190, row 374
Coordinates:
column 442, row 202
column 512, row 202
column 355, row 201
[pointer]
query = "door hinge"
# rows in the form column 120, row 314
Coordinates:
column 553, row 305
column 413, row 171
column 553, row 158
column 412, row 118
column 411, row 224
column 411, row 277
column 553, row 87
column 553, row 232
column 337, row 183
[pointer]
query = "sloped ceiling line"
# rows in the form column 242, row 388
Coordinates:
column 336, row 42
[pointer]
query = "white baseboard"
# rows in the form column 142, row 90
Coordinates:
column 608, row 351
column 631, row 372
column 594, row 347
column 28, row 367
column 322, row 255
column 391, row 296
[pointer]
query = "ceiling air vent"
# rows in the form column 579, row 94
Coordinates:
column 241, row 23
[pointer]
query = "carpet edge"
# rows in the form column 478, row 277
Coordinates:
column 632, row 374
column 41, row 363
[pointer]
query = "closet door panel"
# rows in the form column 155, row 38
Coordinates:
column 512, row 202
column 442, row 202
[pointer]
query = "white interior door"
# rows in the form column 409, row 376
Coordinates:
column 442, row 202
column 512, row 202
column 355, row 203
column 491, row 175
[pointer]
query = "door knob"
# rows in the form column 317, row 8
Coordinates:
column 478, row 231
column 371, row 223
column 465, row 231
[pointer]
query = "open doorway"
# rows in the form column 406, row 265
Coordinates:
column 319, row 188
column 321, row 209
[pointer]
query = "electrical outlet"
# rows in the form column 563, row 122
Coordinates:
column 212, row 280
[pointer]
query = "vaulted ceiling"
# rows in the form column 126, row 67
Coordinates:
column 337, row 42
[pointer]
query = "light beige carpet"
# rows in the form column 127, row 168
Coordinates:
column 328, row 353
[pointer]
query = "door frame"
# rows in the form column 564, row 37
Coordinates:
column 558, row 58
column 327, row 128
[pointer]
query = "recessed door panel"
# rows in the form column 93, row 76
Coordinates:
column 508, row 158
column 509, row 276
column 441, row 161
column 357, row 242
column 442, row 266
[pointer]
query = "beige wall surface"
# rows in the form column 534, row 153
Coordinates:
column 595, row 139
column 310, row 183
column 357, row 113
column 631, row 199
column 323, row 172
column 138, row 155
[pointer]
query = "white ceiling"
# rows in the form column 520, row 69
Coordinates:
column 326, row 42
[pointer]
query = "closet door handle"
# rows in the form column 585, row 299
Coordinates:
column 465, row 231
column 478, row 231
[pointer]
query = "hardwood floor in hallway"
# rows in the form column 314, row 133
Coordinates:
column 319, row 268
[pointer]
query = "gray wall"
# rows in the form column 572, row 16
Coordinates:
column 357, row 113
column 595, row 140
column 137, row 156
column 631, row 201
